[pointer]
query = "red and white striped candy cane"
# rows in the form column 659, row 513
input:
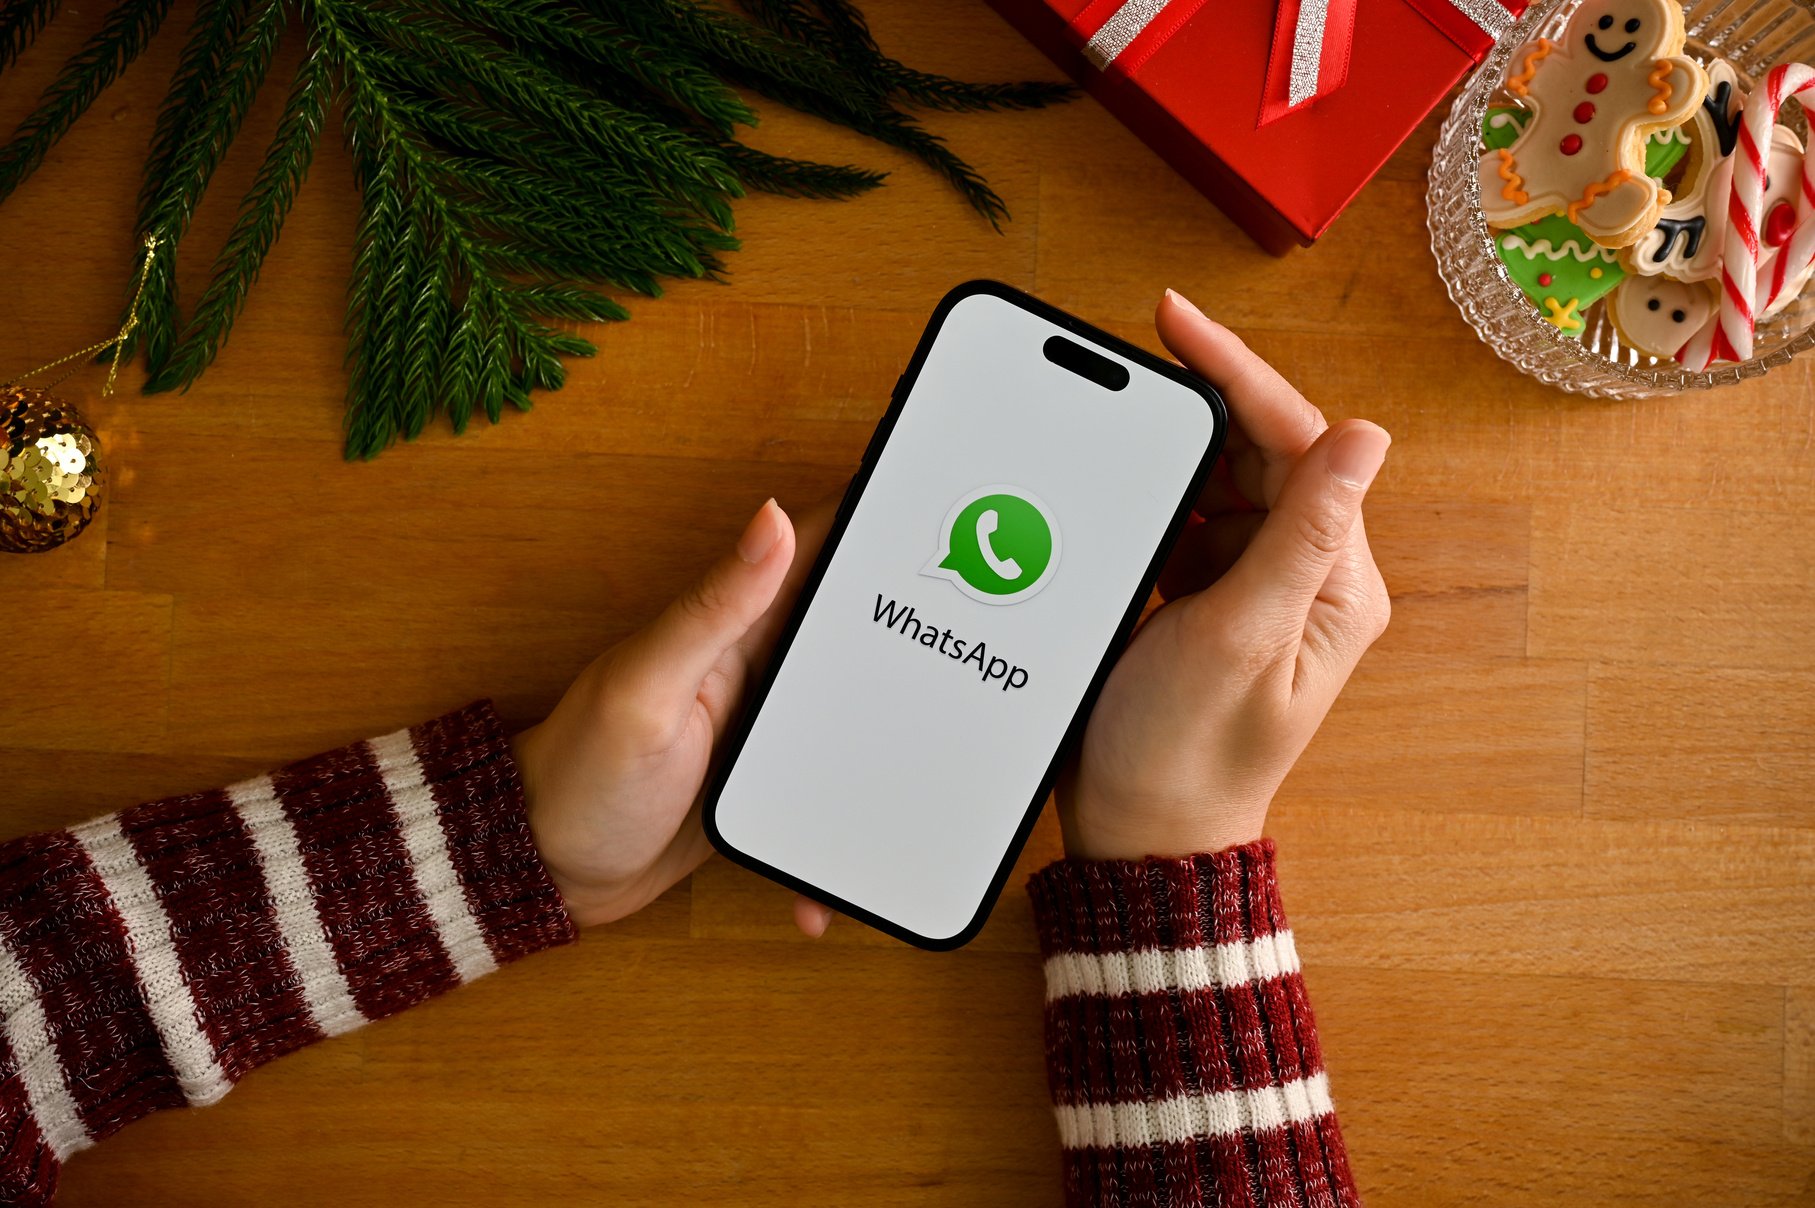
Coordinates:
column 1789, row 269
column 1798, row 252
column 1730, row 337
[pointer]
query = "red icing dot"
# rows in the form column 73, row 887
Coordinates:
column 1584, row 113
column 1596, row 82
column 1780, row 223
column 1571, row 144
column 1543, row 278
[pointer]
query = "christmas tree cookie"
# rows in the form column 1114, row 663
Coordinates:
column 1559, row 268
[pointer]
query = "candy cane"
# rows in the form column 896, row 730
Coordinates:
column 1729, row 338
column 1796, row 255
column 1788, row 269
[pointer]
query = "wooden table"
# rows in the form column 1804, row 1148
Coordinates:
column 1551, row 862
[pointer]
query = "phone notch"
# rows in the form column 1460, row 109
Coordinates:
column 1069, row 354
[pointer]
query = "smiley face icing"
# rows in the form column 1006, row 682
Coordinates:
column 1617, row 77
column 1657, row 315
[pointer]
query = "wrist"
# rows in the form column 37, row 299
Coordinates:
column 1131, row 830
column 525, row 749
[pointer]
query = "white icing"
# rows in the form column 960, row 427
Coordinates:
column 1547, row 250
column 1504, row 118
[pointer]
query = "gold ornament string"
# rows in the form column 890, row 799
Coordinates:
column 126, row 329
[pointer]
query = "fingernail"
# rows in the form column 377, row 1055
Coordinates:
column 760, row 535
column 1185, row 302
column 1358, row 453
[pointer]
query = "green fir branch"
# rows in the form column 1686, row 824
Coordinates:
column 88, row 72
column 523, row 166
column 548, row 27
column 799, row 177
column 261, row 216
column 21, row 21
column 195, row 148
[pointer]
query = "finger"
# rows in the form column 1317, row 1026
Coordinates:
column 811, row 917
column 1350, row 613
column 810, row 530
column 1276, row 418
column 1308, row 529
column 667, row 661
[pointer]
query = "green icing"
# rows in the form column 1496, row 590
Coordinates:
column 1502, row 125
column 1556, row 246
column 1663, row 151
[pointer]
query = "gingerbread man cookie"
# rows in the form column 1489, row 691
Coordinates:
column 1617, row 77
column 1657, row 315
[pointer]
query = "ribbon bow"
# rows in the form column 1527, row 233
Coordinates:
column 1309, row 58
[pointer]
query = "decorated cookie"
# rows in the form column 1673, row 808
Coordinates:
column 1679, row 244
column 1617, row 77
column 1561, row 270
column 1663, row 150
column 1657, row 315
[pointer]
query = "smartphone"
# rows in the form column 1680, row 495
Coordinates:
column 994, row 550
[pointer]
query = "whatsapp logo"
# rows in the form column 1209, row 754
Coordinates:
column 998, row 545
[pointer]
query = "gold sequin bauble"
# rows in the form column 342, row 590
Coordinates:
column 50, row 471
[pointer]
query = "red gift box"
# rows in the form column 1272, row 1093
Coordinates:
column 1210, row 87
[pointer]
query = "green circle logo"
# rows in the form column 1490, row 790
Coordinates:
column 998, row 545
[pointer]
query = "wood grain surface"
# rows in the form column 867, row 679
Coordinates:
column 1551, row 861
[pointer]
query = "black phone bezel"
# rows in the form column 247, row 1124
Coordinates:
column 904, row 386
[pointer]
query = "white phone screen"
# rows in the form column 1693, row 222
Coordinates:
column 986, row 569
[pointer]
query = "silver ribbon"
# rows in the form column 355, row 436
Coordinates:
column 1126, row 23
column 1124, row 26
column 1307, row 50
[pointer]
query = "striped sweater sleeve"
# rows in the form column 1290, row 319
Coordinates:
column 1180, row 1048
column 150, row 958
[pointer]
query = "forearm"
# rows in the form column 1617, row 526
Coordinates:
column 151, row 958
column 1181, row 1050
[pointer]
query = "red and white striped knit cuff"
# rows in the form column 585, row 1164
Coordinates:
column 150, row 958
column 1180, row 1046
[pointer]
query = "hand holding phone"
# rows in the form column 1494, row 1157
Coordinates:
column 613, row 774
column 1273, row 597
column 917, row 709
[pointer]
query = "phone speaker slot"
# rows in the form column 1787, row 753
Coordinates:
column 1069, row 354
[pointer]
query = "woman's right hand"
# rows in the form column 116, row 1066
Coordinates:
column 1273, row 597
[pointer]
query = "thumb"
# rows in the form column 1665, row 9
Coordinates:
column 672, row 656
column 1308, row 526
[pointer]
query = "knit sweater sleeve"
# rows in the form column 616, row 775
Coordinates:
column 150, row 958
column 1180, row 1047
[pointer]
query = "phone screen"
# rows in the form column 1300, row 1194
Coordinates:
column 1008, row 522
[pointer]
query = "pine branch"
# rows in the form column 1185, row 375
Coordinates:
column 799, row 177
column 90, row 70
column 21, row 21
column 195, row 148
column 546, row 27
column 515, row 159
column 261, row 217
column 212, row 36
column 520, row 86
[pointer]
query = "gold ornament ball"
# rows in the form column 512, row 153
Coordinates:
column 50, row 471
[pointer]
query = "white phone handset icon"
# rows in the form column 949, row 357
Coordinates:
column 1008, row 568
